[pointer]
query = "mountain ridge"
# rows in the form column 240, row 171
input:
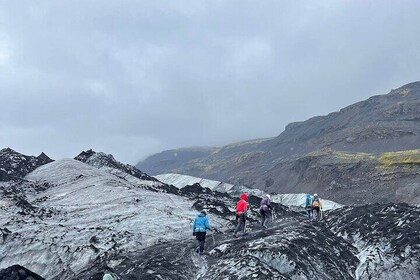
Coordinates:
column 380, row 125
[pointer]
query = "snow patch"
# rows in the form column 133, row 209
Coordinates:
column 181, row 181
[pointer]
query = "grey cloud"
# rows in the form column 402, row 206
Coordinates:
column 135, row 77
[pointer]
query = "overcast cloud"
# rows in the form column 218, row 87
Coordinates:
column 133, row 78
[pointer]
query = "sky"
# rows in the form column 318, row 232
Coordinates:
column 133, row 78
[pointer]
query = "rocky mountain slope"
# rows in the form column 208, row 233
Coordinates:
column 83, row 213
column 80, row 221
column 172, row 159
column 366, row 152
column 108, row 162
column 370, row 242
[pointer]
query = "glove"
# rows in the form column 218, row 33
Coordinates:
column 193, row 233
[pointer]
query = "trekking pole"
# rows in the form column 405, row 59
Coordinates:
column 245, row 222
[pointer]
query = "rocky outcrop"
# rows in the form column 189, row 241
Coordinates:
column 385, row 236
column 17, row 272
column 102, row 160
column 14, row 165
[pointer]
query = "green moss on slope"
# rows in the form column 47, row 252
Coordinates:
column 407, row 158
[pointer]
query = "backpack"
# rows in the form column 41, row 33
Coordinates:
column 308, row 202
column 315, row 202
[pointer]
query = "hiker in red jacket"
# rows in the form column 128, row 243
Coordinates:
column 241, row 207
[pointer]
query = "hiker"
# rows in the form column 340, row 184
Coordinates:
column 200, row 226
column 107, row 277
column 265, row 210
column 316, row 207
column 308, row 205
column 241, row 207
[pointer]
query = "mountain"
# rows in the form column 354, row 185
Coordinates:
column 87, row 219
column 85, row 214
column 172, row 159
column 14, row 165
column 367, row 152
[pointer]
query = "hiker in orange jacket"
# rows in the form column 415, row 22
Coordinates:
column 241, row 207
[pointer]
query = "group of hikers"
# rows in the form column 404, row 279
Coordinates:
column 201, row 223
column 313, row 206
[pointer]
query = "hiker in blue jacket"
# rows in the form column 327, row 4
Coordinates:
column 200, row 226
column 308, row 205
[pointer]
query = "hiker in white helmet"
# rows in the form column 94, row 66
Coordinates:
column 316, row 208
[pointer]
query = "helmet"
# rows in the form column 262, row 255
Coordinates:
column 244, row 196
column 315, row 194
column 203, row 212
column 268, row 196
column 107, row 277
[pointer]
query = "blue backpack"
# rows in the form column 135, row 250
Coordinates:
column 308, row 202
